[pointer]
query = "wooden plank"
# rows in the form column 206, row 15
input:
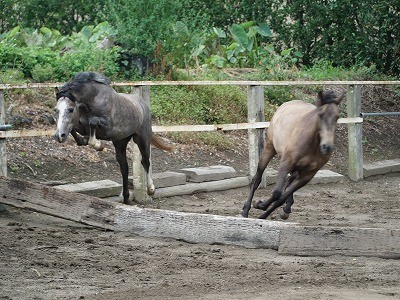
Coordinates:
column 55, row 202
column 199, row 228
column 27, row 133
column 257, row 83
column 210, row 82
column 355, row 167
column 167, row 128
column 325, row 241
column 256, row 137
column 209, row 186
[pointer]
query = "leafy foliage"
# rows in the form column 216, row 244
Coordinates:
column 44, row 54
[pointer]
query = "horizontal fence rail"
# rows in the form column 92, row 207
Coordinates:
column 380, row 114
column 168, row 128
column 225, row 82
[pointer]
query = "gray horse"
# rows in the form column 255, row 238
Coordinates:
column 91, row 110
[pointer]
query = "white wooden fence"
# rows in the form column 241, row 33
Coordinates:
column 256, row 123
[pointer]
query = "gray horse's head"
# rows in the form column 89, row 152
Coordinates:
column 68, row 116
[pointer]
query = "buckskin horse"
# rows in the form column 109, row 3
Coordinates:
column 88, row 105
column 303, row 135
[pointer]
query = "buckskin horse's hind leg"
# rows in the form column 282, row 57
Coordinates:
column 299, row 181
column 120, row 154
column 266, row 156
column 143, row 143
column 287, row 209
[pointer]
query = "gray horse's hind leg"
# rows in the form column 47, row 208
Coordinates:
column 143, row 142
column 120, row 153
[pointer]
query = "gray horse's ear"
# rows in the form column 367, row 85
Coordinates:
column 56, row 91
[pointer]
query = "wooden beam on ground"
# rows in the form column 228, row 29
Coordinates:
column 288, row 238
column 55, row 202
column 325, row 241
column 199, row 228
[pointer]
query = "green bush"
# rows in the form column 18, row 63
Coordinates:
column 44, row 54
column 43, row 73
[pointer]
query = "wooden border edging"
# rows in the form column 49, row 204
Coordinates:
column 287, row 238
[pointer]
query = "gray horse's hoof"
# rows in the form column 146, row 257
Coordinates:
column 284, row 215
column 151, row 190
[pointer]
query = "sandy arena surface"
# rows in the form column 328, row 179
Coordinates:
column 42, row 257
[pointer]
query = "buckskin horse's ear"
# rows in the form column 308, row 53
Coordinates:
column 340, row 98
column 318, row 102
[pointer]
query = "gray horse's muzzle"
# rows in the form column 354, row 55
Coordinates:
column 61, row 138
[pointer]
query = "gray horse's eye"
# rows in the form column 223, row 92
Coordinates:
column 70, row 110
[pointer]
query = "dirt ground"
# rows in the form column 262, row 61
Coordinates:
column 42, row 257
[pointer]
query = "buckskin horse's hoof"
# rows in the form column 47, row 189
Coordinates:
column 260, row 205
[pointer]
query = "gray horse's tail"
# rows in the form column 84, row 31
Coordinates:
column 161, row 144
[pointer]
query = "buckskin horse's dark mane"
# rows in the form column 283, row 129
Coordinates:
column 325, row 97
column 79, row 81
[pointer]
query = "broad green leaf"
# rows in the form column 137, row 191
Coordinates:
column 46, row 32
column 286, row 52
column 239, row 35
column 232, row 46
column 86, row 32
column 298, row 54
column 219, row 32
column 264, row 30
column 180, row 29
column 247, row 25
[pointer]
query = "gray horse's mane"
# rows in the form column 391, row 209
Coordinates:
column 79, row 81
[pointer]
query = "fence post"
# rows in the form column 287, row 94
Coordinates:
column 354, row 133
column 255, row 113
column 139, row 175
column 3, row 149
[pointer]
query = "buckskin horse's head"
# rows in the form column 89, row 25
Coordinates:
column 328, row 114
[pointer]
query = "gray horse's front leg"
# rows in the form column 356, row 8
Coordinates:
column 80, row 140
column 94, row 123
